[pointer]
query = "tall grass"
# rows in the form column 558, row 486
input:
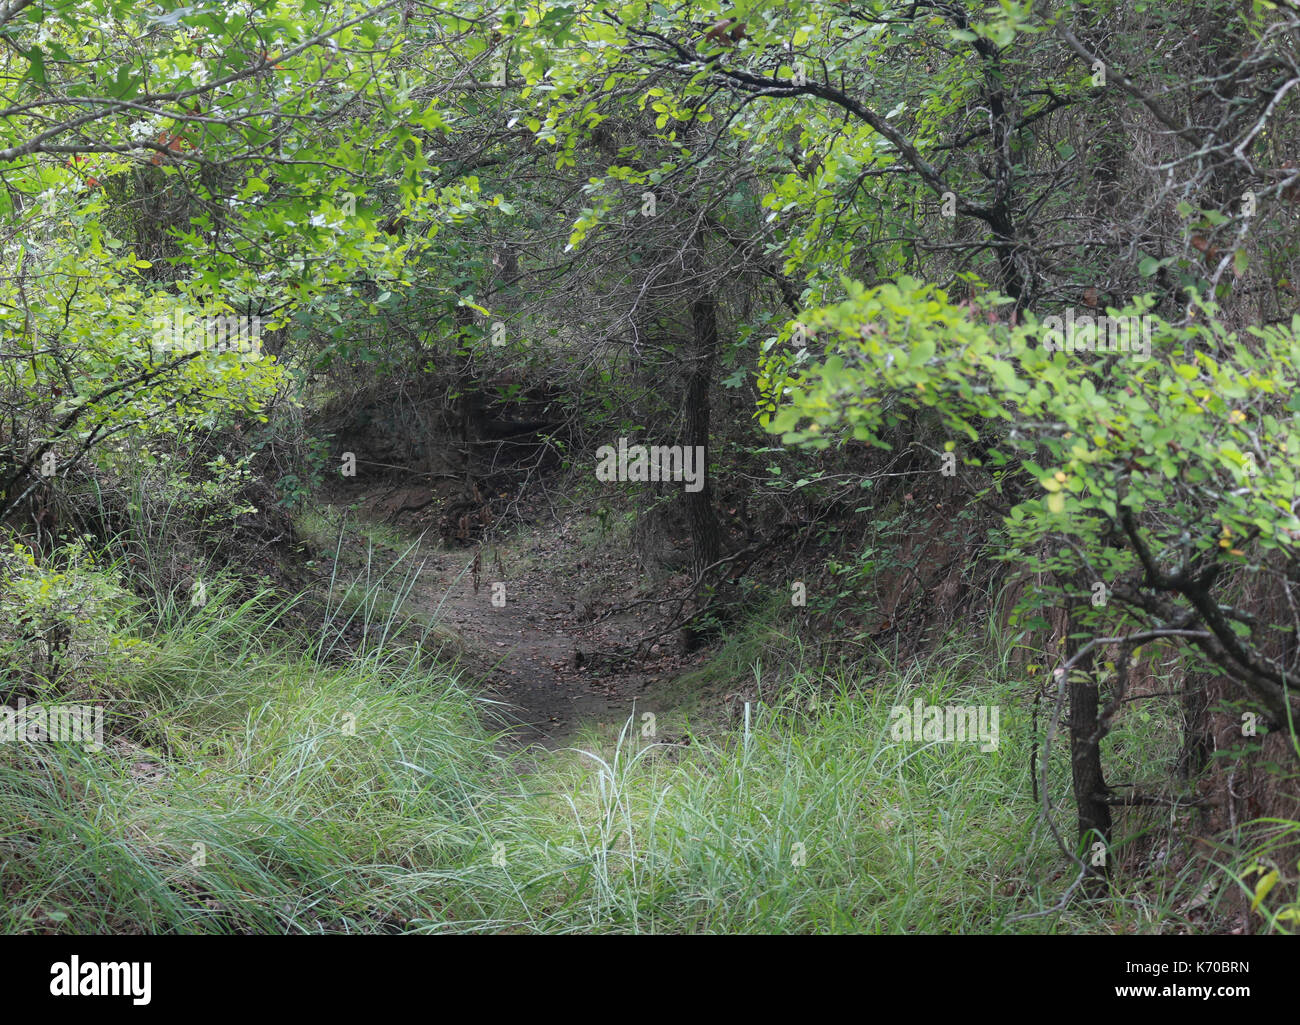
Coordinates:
column 256, row 781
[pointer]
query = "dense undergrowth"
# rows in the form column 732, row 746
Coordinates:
column 252, row 781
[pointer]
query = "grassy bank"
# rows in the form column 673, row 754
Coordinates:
column 249, row 785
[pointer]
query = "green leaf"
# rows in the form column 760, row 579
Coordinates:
column 1262, row 888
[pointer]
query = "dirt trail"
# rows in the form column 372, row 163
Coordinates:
column 539, row 651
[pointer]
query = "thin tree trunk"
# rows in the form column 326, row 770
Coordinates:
column 703, row 523
column 1195, row 754
column 1090, row 788
column 464, row 386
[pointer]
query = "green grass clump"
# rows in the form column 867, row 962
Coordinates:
column 254, row 782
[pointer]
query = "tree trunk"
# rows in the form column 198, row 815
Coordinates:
column 1195, row 754
column 464, row 385
column 705, row 533
column 1090, row 790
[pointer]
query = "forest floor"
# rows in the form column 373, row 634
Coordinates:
column 548, row 648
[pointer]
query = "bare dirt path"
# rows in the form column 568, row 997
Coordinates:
column 537, row 648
